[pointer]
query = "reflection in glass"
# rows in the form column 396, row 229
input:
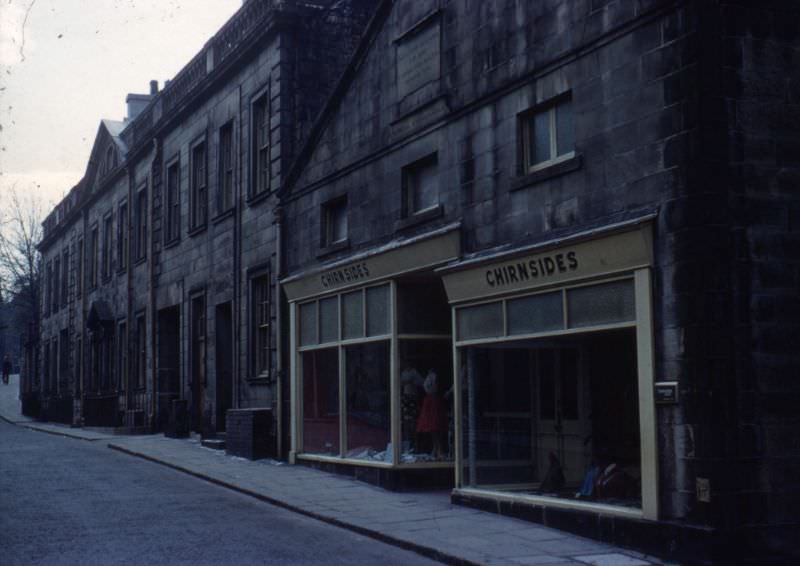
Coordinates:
column 321, row 401
column 329, row 320
column 308, row 324
column 368, row 429
column 481, row 321
column 607, row 303
column 353, row 315
column 377, row 310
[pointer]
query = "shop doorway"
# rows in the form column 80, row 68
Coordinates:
column 168, row 372
column 223, row 320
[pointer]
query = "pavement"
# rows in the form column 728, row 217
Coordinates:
column 424, row 522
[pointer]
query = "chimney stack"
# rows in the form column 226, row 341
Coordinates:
column 138, row 102
column 153, row 88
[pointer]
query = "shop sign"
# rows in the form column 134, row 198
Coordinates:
column 405, row 257
column 554, row 264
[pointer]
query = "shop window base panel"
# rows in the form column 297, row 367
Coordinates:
column 423, row 476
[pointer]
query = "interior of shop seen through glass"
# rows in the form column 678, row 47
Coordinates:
column 550, row 397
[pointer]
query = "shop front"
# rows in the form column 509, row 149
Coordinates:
column 371, row 367
column 553, row 394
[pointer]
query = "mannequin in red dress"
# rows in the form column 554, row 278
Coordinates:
column 433, row 415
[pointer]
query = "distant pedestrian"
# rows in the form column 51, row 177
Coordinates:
column 6, row 369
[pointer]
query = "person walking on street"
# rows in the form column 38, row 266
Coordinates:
column 6, row 368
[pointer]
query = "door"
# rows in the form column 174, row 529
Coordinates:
column 223, row 320
column 563, row 426
column 168, row 373
column 198, row 375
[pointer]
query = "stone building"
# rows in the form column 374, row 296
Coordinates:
column 550, row 248
column 543, row 252
column 159, row 309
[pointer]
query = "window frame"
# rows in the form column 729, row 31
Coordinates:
column 410, row 180
column 549, row 107
column 260, row 148
column 79, row 274
column 122, row 235
column 122, row 355
column 226, row 171
column 328, row 223
column 141, row 223
column 108, row 241
column 55, row 286
column 262, row 319
column 172, row 232
column 65, row 276
column 141, row 350
column 198, row 185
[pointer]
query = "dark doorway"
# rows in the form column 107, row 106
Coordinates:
column 169, row 362
column 198, row 363
column 224, row 357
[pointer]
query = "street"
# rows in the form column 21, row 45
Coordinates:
column 67, row 501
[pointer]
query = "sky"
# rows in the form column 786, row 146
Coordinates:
column 67, row 64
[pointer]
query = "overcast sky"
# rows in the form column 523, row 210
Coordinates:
column 65, row 64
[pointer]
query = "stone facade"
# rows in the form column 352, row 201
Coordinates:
column 682, row 111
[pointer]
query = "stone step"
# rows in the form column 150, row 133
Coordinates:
column 215, row 443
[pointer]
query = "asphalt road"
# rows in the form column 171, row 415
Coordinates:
column 66, row 501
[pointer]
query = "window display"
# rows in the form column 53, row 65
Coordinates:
column 321, row 401
column 368, row 415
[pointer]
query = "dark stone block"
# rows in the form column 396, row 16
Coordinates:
column 250, row 433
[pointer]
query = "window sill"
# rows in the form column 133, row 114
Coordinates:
column 259, row 380
column 549, row 172
column 171, row 244
column 255, row 199
column 419, row 218
column 223, row 215
column 197, row 230
column 122, row 271
column 333, row 248
column 140, row 261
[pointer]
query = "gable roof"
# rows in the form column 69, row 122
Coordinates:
column 374, row 27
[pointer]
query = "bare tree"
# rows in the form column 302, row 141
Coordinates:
column 20, row 233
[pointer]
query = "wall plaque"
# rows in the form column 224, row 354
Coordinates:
column 418, row 59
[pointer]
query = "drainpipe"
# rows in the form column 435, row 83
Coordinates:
column 279, row 378
column 151, row 285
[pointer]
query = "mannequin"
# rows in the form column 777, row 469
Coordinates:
column 433, row 415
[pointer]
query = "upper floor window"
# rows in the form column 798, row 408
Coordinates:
column 261, row 145
column 108, row 235
column 173, row 230
column 93, row 250
column 122, row 236
column 199, row 198
column 79, row 268
column 111, row 160
column 56, row 285
column 141, row 223
column 548, row 135
column 420, row 186
column 65, row 277
column 334, row 222
column 48, row 289
column 225, row 196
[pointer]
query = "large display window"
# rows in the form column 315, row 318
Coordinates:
column 374, row 371
column 554, row 385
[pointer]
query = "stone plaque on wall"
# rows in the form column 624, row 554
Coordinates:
column 418, row 57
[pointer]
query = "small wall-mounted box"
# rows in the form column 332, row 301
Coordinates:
column 666, row 392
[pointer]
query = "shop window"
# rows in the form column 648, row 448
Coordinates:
column 377, row 307
column 556, row 417
column 199, row 191
column 420, row 186
column 426, row 400
column 122, row 237
column 108, row 229
column 321, row 401
column 482, row 321
column 261, row 321
column 353, row 315
column 547, row 135
column 368, row 427
column 173, row 216
column 539, row 313
column 225, row 167
column 601, row 304
column 261, row 169
column 334, row 223
column 329, row 320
